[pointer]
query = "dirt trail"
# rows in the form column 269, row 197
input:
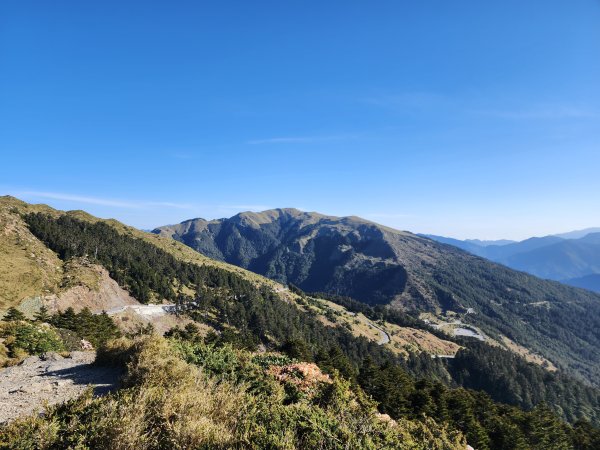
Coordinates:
column 52, row 378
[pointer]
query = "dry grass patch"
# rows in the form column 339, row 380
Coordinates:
column 406, row 338
column 27, row 267
column 528, row 355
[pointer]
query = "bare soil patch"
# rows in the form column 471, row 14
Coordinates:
column 51, row 378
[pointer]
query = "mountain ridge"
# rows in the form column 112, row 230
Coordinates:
column 550, row 257
column 380, row 265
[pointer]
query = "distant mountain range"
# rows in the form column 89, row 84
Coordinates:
column 572, row 258
column 379, row 265
column 481, row 243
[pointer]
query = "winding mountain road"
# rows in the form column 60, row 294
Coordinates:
column 385, row 337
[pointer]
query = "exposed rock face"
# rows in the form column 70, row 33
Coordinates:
column 102, row 295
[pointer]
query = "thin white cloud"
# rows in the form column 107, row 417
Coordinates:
column 298, row 139
column 409, row 100
column 78, row 199
column 172, row 205
column 430, row 101
column 116, row 203
column 388, row 216
column 243, row 207
column 183, row 155
column 556, row 112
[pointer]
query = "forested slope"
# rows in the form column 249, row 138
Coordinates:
column 378, row 265
column 248, row 315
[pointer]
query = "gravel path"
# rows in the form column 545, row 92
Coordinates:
column 52, row 378
column 144, row 310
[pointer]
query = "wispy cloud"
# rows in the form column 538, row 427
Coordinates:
column 422, row 102
column 549, row 112
column 409, row 100
column 388, row 215
column 138, row 205
column 229, row 208
column 115, row 203
column 298, row 139
column 182, row 155
column 171, row 205
column 78, row 199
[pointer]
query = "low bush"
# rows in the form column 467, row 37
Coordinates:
column 168, row 403
column 23, row 338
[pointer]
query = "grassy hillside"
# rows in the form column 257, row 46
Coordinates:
column 29, row 269
column 184, row 393
column 20, row 282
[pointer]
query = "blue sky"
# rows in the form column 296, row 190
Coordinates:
column 463, row 118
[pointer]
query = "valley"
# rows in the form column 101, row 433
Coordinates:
column 407, row 355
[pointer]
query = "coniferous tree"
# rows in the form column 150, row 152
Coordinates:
column 42, row 315
column 13, row 315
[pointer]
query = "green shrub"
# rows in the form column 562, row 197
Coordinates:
column 96, row 328
column 222, row 362
column 71, row 341
column 170, row 404
column 13, row 314
column 30, row 338
column 271, row 359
